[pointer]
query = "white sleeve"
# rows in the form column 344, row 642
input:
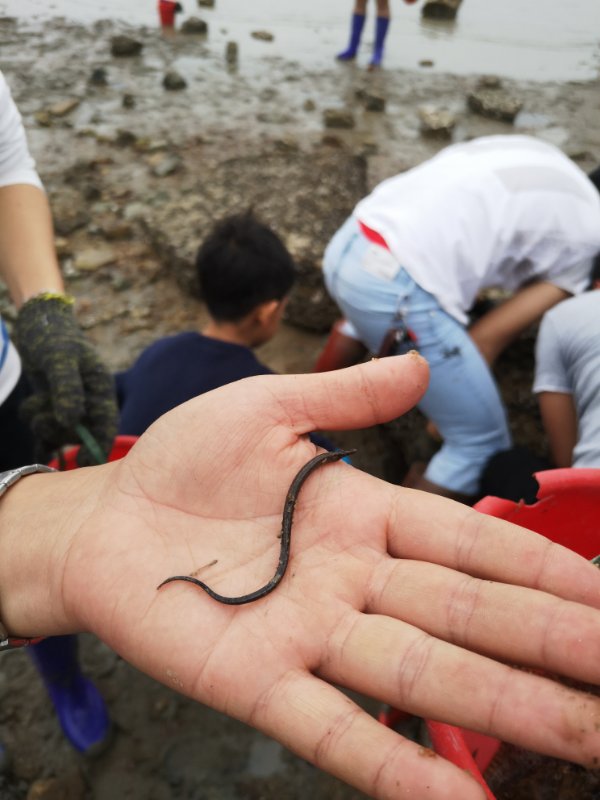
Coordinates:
column 550, row 372
column 16, row 163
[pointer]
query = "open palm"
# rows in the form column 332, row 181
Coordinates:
column 402, row 596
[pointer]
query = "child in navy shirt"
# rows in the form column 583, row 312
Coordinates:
column 245, row 274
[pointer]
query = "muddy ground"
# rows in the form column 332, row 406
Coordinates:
column 136, row 174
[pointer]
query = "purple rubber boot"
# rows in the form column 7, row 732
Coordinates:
column 79, row 705
column 381, row 28
column 358, row 23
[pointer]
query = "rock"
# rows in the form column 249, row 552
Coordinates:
column 93, row 258
column 145, row 145
column 62, row 247
column 68, row 786
column 263, row 36
column 195, row 25
column 338, row 118
column 43, row 118
column 373, row 102
column 118, row 231
column 125, row 138
column 309, row 105
column 489, row 82
column 440, row 9
column 167, row 166
column 135, row 211
column 436, row 122
column 173, row 81
column 206, row 3
column 128, row 100
column 68, row 210
column 231, row 53
column 98, row 77
column 124, row 46
column 426, row 62
column 494, row 104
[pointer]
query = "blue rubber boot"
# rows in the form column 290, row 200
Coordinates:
column 4, row 760
column 381, row 28
column 79, row 705
column 358, row 23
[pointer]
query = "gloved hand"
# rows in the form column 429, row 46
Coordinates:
column 70, row 384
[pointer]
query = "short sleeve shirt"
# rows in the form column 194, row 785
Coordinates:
column 568, row 361
column 498, row 211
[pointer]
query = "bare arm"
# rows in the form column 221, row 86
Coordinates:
column 28, row 263
column 559, row 418
column 501, row 326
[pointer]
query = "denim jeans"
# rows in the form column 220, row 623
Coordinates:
column 462, row 398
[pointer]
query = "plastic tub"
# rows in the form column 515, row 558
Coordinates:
column 121, row 446
column 567, row 512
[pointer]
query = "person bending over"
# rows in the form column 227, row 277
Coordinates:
column 506, row 211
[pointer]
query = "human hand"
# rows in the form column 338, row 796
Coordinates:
column 70, row 384
column 399, row 595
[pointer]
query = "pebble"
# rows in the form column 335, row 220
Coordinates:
column 123, row 46
column 93, row 258
column 195, row 25
column 338, row 118
column 173, row 81
column 263, row 36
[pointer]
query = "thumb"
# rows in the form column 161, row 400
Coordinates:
column 357, row 397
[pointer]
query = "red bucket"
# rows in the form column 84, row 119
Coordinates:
column 166, row 11
column 121, row 446
column 567, row 513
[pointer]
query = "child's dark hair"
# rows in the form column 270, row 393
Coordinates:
column 241, row 264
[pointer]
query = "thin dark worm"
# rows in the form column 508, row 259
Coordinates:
column 286, row 533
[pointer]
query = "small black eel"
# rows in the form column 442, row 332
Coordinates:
column 286, row 533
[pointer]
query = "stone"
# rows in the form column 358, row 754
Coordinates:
column 66, row 786
column 167, row 166
column 374, row 102
column 436, row 123
column 231, row 53
column 440, row 9
column 62, row 246
column 263, row 36
column 125, row 46
column 64, row 107
column 43, row 118
column 98, row 77
column 338, row 118
column 494, row 104
column 309, row 105
column 94, row 258
column 206, row 3
column 195, row 25
column 128, row 100
column 426, row 62
column 489, row 82
column 125, row 138
column 173, row 81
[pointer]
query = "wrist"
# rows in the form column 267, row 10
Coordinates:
column 41, row 518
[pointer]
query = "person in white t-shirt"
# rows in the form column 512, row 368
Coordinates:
column 567, row 378
column 54, row 378
column 66, row 382
column 505, row 211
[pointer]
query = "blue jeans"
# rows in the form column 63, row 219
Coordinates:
column 462, row 398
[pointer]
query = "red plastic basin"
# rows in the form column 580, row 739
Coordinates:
column 567, row 512
column 121, row 446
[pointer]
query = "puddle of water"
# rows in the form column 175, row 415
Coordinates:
column 537, row 40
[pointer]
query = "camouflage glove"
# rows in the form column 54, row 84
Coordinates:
column 70, row 384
